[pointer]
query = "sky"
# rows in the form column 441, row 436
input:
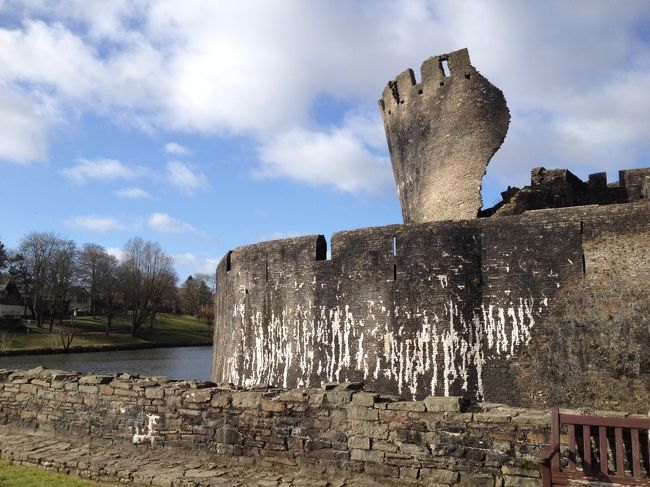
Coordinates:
column 207, row 125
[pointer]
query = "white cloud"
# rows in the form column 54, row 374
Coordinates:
column 163, row 223
column 177, row 149
column 100, row 170
column 186, row 259
column 115, row 252
column 185, row 178
column 345, row 158
column 23, row 137
column 133, row 193
column 95, row 223
column 257, row 69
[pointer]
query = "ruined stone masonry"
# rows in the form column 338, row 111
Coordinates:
column 442, row 132
column 471, row 307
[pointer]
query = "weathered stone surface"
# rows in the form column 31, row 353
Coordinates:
column 442, row 404
column 442, row 132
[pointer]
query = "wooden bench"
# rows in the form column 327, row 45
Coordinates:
column 599, row 450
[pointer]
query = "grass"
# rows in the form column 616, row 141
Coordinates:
column 15, row 476
column 169, row 329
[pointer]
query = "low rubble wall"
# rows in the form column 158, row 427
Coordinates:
column 439, row 440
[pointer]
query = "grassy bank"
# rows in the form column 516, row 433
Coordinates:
column 15, row 476
column 168, row 330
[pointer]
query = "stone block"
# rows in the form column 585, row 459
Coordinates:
column 360, row 442
column 512, row 481
column 367, row 455
column 366, row 399
column 339, row 397
column 406, row 406
column 88, row 389
column 439, row 476
column 154, row 393
column 221, row 399
column 363, row 413
column 273, row 406
column 247, row 400
column 472, row 479
column 197, row 396
column 369, row 428
column 294, row 395
column 438, row 404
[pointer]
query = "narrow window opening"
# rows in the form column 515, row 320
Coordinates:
column 582, row 227
column 321, row 248
column 246, row 292
column 394, row 246
column 394, row 272
column 444, row 65
column 584, row 265
column 468, row 76
column 228, row 262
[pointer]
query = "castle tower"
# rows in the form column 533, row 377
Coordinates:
column 442, row 132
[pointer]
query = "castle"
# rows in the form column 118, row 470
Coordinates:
column 541, row 298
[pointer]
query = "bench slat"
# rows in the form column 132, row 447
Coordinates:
column 572, row 447
column 636, row 450
column 586, row 446
column 602, row 447
column 609, row 421
column 620, row 458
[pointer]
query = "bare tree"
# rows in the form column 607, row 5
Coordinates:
column 108, row 285
column 3, row 256
column 90, row 259
column 35, row 251
column 146, row 271
column 60, row 277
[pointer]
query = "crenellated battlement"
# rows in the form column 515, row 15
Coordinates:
column 441, row 134
column 404, row 89
column 437, row 308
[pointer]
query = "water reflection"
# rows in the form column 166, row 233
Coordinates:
column 175, row 363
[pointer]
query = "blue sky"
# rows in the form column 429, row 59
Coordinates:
column 207, row 125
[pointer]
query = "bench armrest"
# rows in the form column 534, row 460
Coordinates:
column 544, row 456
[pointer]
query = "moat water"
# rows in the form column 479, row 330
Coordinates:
column 175, row 362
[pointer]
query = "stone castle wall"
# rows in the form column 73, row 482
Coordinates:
column 442, row 308
column 435, row 441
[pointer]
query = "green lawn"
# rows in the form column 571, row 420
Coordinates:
column 168, row 329
column 15, row 476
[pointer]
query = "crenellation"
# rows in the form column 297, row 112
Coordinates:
column 438, row 308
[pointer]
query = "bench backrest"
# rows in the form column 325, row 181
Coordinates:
column 591, row 439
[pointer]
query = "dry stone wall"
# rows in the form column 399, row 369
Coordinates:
column 442, row 308
column 438, row 441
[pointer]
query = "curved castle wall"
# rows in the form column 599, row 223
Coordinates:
column 414, row 310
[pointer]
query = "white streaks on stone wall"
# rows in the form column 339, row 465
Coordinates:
column 148, row 431
column 418, row 350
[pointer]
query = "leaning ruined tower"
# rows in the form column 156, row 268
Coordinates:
column 442, row 132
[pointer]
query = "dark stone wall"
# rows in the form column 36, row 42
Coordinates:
column 440, row 308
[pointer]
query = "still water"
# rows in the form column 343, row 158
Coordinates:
column 175, row 363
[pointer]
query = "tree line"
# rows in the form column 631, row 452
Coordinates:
column 49, row 270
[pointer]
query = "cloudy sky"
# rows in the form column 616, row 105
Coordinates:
column 206, row 125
